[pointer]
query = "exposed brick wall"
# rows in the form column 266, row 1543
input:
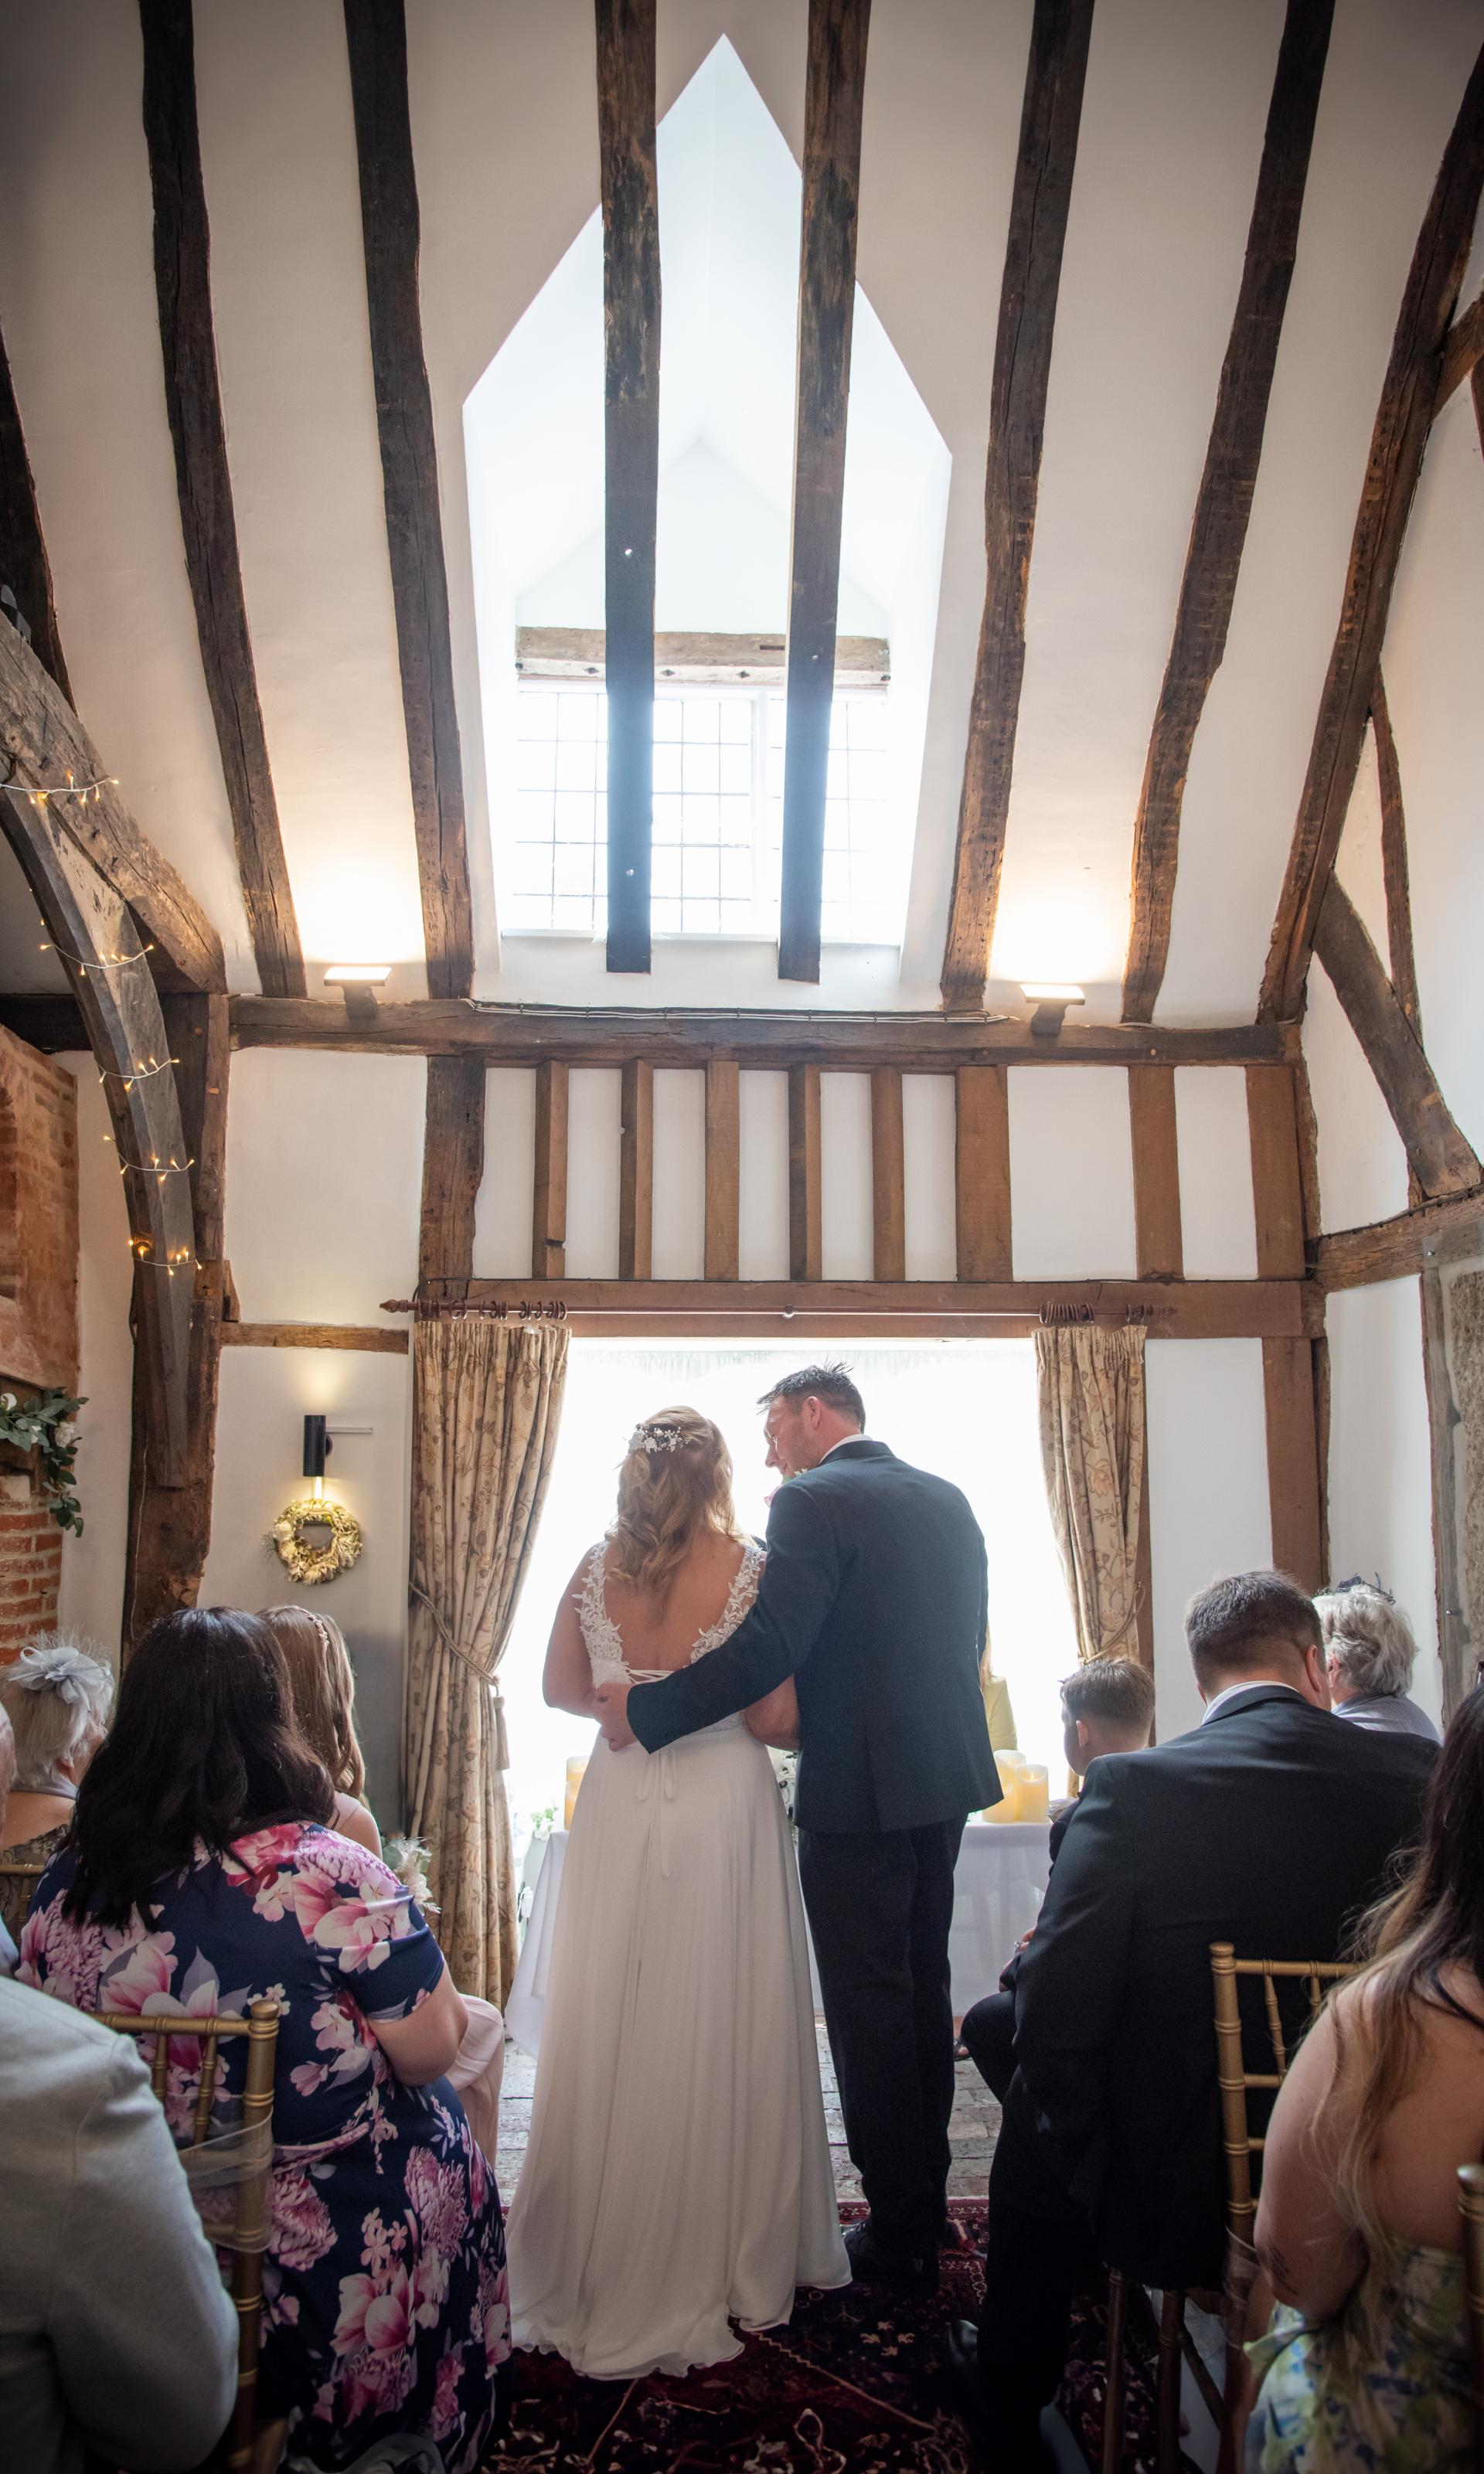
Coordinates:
column 38, row 1326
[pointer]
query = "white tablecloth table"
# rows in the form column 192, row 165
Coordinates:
column 998, row 1887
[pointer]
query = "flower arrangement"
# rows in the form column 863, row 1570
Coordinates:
column 309, row 1560
column 44, row 1429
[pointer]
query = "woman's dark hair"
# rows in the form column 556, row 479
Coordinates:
column 203, row 1749
column 1429, row 1929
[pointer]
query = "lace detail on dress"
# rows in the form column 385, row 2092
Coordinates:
column 604, row 1642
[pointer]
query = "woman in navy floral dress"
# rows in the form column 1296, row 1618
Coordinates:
column 199, row 1876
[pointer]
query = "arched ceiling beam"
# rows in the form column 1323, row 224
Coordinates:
column 631, row 456
column 376, row 42
column 1439, row 1158
column 1224, row 502
column 208, row 525
column 45, row 743
column 1462, row 353
column 834, row 94
column 1397, row 441
column 1051, row 117
column 90, row 926
column 25, row 568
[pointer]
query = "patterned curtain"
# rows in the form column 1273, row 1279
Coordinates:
column 486, row 1403
column 1091, row 1389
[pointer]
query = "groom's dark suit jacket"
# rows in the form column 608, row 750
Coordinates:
column 1271, row 1826
column 874, row 1600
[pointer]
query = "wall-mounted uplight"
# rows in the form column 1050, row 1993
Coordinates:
column 317, row 1450
column 1050, row 999
column 357, row 983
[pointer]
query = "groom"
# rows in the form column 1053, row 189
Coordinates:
column 874, row 1600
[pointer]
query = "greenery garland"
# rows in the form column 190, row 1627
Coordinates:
column 310, row 1564
column 44, row 1427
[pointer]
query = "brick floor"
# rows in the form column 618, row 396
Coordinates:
column 972, row 2130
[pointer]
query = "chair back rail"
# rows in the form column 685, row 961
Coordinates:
column 260, row 2027
column 1470, row 2206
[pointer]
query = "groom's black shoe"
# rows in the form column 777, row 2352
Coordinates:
column 870, row 2259
column 995, row 2448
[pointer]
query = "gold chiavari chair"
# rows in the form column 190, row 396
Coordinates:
column 1243, row 2144
column 24, row 1877
column 260, row 2027
column 1176, row 2345
column 1471, row 2203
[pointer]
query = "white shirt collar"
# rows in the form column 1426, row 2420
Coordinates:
column 1257, row 1682
column 856, row 1438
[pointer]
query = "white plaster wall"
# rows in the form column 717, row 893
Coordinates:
column 1362, row 1166
column 92, row 1565
column 506, row 1196
column 1071, row 1173
column 265, row 1396
column 1381, row 1491
column 679, row 1247
column 1209, row 1511
column 1218, row 1226
column 845, row 1239
column 324, row 1183
column 763, row 1248
column 927, row 1176
column 1433, row 657
column 595, row 1133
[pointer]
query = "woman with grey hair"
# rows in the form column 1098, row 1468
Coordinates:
column 1370, row 1653
column 57, row 1698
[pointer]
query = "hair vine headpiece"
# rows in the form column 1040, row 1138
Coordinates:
column 656, row 1437
column 1343, row 1588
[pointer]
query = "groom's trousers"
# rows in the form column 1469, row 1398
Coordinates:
column 879, row 1906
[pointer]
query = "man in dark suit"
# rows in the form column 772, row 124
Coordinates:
column 874, row 1600
column 1108, row 1706
column 1271, row 1825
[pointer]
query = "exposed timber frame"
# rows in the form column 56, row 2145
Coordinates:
column 923, row 1043
column 377, row 43
column 1463, row 351
column 45, row 743
column 1399, row 439
column 1291, row 1363
column 208, row 527
column 1051, row 116
column 25, row 570
column 1224, row 502
column 695, row 655
column 835, row 90
column 631, row 456
column 452, row 1167
column 1441, row 1159
column 1420, row 1240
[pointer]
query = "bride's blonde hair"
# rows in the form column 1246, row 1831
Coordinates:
column 675, row 1483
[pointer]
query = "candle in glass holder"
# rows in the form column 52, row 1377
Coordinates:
column 1011, row 1767
column 576, row 1770
column 1032, row 1794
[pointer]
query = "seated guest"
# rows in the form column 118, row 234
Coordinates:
column 1269, row 1825
column 1370, row 1654
column 1366, row 2360
column 58, row 1700
column 322, row 1684
column 1106, row 1707
column 117, row 2337
column 200, row 1872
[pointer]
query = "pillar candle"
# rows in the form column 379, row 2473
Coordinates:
column 1011, row 1766
column 575, row 1772
column 1032, row 1794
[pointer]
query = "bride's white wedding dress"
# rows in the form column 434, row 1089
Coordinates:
column 678, row 2174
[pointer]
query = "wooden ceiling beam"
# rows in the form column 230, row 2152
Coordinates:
column 1051, row 116
column 209, row 523
column 834, row 94
column 631, row 456
column 1442, row 1160
column 1399, row 436
column 1419, row 1240
column 1462, row 353
column 1224, row 502
column 922, row 1043
column 377, row 44
column 25, row 570
column 1395, row 871
column 452, row 1166
column 46, row 744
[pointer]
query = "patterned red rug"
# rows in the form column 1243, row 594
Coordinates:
column 854, row 2385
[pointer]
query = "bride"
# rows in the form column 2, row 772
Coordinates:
column 678, row 2175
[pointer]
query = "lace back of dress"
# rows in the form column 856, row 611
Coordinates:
column 604, row 1643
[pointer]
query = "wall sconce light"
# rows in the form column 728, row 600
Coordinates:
column 317, row 1450
column 1050, row 999
column 358, row 982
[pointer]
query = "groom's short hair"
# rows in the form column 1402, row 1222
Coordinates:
column 831, row 1384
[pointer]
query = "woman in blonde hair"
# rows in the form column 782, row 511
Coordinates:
column 679, row 2175
column 322, row 1683
column 1367, row 2362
